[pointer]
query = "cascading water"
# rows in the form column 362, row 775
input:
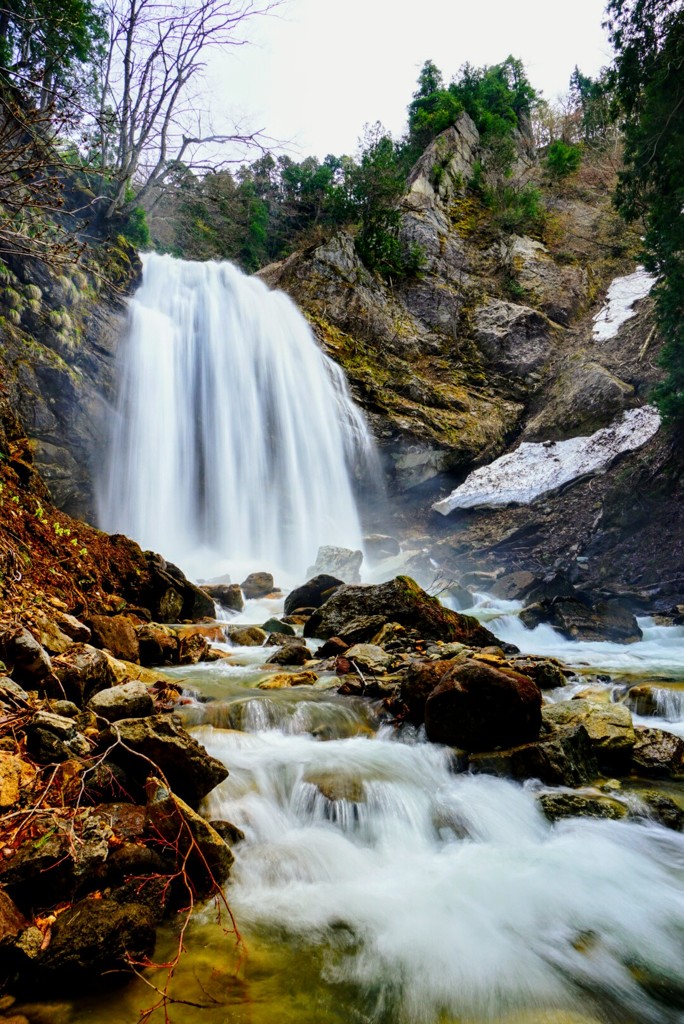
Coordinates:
column 236, row 437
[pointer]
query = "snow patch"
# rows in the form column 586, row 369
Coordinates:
column 621, row 297
column 534, row 469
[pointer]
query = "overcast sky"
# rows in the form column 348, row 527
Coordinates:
column 318, row 70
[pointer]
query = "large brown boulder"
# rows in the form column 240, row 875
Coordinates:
column 477, row 707
column 145, row 742
column 117, row 634
column 416, row 685
column 257, row 584
column 399, row 600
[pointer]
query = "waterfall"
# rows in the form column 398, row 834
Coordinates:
column 235, row 438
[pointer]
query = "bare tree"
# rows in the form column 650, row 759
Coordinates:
column 150, row 119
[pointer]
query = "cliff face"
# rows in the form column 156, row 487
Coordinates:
column 59, row 331
column 493, row 344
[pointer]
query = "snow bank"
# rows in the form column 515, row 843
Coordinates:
column 534, row 469
column 621, row 296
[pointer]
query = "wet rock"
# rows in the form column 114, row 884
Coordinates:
column 369, row 658
column 580, row 805
column 279, row 639
column 313, row 593
column 513, row 586
column 649, row 699
column 577, row 618
column 94, row 937
column 336, row 787
column 342, row 563
column 476, row 707
column 257, row 584
column 283, row 680
column 276, row 626
column 296, row 653
column 229, row 833
column 190, row 770
column 54, row 738
column 400, row 600
column 201, row 851
column 117, row 634
column 16, row 781
column 333, row 646
column 361, row 629
column 547, row 673
column 158, row 645
column 416, row 685
column 228, row 596
column 662, row 809
column 171, row 596
column 378, row 546
column 609, row 727
column 562, row 757
column 28, row 662
column 82, row 672
column 192, row 648
column 657, row 753
column 245, row 636
column 130, row 700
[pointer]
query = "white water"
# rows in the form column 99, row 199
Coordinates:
column 236, row 437
column 439, row 893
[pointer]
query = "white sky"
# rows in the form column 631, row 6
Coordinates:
column 318, row 70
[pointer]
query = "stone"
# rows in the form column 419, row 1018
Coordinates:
column 418, row 682
column 117, row 634
column 158, row 645
column 283, row 680
column 192, row 648
column 29, row 664
column 477, row 707
column 189, row 769
column 228, row 596
column 581, row 805
column 400, row 600
column 95, row 936
column 513, row 586
column 280, row 639
column 129, row 700
column 514, row 339
column 342, row 563
column 562, row 757
column 333, row 646
column 660, row 808
column 657, row 754
column 257, row 584
column 245, row 636
column 609, row 727
column 547, row 673
column 230, row 833
column 379, row 545
column 296, row 653
column 12, row 693
column 577, row 618
column 313, row 593
column 73, row 627
column 647, row 699
column 369, row 658
column 82, row 672
column 336, row 787
column 48, row 633
column 54, row 738
column 276, row 626
column 200, row 849
column 16, row 780
column 170, row 596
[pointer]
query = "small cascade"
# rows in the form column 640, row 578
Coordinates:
column 236, row 441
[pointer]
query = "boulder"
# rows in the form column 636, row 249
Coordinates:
column 368, row 658
column 198, row 847
column 82, row 672
column 660, row 808
column 337, row 562
column 418, row 682
column 228, row 596
column 245, row 636
column 547, row 673
column 117, row 634
column 378, row 546
column 257, row 584
column 332, row 647
column 192, row 648
column 276, row 626
column 609, row 727
column 16, row 781
column 313, row 593
column 130, row 700
column 283, row 680
column 477, row 707
column 577, row 618
column 170, row 596
column 561, row 757
column 296, row 653
column 513, row 586
column 189, row 769
column 72, row 627
column 55, row 738
column 399, row 600
column 158, row 645
column 657, row 754
column 580, row 805
column 94, row 937
column 280, row 639
column 28, row 662
column 514, row 339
